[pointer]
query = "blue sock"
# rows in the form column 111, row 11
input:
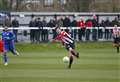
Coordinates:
column 5, row 58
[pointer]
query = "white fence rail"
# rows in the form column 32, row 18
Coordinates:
column 105, row 35
column 28, row 28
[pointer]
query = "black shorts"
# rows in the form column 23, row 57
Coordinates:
column 71, row 45
column 116, row 40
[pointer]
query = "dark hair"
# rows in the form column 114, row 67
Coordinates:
column 32, row 15
column 56, row 28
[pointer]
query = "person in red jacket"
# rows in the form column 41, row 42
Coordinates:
column 89, row 25
column 81, row 30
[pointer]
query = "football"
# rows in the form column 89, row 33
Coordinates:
column 66, row 59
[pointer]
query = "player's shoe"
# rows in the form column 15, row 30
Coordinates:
column 17, row 53
column 5, row 64
column 77, row 55
column 69, row 67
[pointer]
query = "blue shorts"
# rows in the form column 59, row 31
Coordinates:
column 9, row 46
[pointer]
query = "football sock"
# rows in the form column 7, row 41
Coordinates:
column 117, row 49
column 70, row 62
column 5, row 58
column 76, row 54
column 73, row 53
column 13, row 51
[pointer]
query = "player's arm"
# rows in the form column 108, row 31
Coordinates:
column 58, row 37
column 12, row 36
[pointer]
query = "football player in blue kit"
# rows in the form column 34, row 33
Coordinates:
column 8, row 42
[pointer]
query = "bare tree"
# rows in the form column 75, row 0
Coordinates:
column 18, row 5
column 4, row 5
column 80, row 5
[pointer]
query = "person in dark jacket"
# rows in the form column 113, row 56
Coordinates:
column 74, row 31
column 39, row 31
column 45, row 31
column 32, row 23
column 95, row 24
column 15, row 24
column 107, row 31
column 52, row 24
column 66, row 23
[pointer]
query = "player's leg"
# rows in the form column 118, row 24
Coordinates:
column 116, row 45
column 72, row 50
column 71, row 60
column 13, row 50
column 5, row 57
column 76, row 54
column 71, row 54
column 117, row 49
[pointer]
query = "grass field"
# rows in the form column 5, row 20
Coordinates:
column 98, row 62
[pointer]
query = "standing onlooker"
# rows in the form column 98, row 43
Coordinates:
column 66, row 23
column 39, row 31
column 102, row 24
column 15, row 24
column 81, row 30
column 45, row 31
column 89, row 25
column 52, row 24
column 7, row 21
column 32, row 23
column 60, row 22
column 107, row 31
column 95, row 24
column 74, row 31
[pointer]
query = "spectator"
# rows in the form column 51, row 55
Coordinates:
column 45, row 31
column 52, row 24
column 32, row 23
column 15, row 24
column 89, row 25
column 60, row 22
column 66, row 23
column 81, row 30
column 39, row 31
column 95, row 24
column 102, row 24
column 107, row 31
column 115, row 22
column 74, row 31
column 7, row 22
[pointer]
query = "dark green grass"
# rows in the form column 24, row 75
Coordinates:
column 98, row 62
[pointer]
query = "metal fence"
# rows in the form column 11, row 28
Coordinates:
column 95, row 33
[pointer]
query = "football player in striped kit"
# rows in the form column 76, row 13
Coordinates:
column 68, row 42
column 116, row 37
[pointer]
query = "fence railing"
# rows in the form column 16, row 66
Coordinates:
column 89, row 34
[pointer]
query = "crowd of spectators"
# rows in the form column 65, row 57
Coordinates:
column 84, row 33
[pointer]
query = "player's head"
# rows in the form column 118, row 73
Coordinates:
column 5, row 28
column 57, row 29
column 115, row 26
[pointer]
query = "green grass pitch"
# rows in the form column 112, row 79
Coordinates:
column 98, row 62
